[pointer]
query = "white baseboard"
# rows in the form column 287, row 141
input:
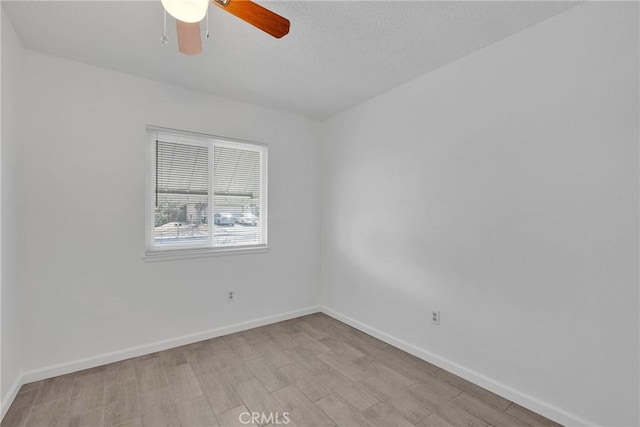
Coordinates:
column 116, row 356
column 10, row 395
column 543, row 408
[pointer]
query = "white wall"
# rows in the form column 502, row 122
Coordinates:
column 82, row 177
column 10, row 332
column 502, row 190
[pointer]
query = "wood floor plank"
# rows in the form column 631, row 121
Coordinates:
column 135, row 422
column 220, row 392
column 90, row 371
column 333, row 379
column 164, row 415
column 48, row 414
column 444, row 408
column 290, row 326
column 353, row 335
column 182, row 382
column 332, row 329
column 93, row 418
column 241, row 346
column 123, row 390
column 343, row 414
column 215, row 346
column 439, row 386
column 341, row 347
column 231, row 367
column 487, row 413
column 202, row 360
column 353, row 393
column 172, row 357
column 306, row 341
column 31, row 386
column 55, row 389
column 301, row 409
column 345, row 366
column 149, row 374
column 274, row 354
column 282, row 338
column 317, row 333
column 309, row 385
column 356, row 395
column 88, row 393
column 156, row 397
column 399, row 400
column 364, row 347
column 257, row 399
column 269, row 375
column 381, row 415
column 119, row 371
column 205, row 357
column 391, row 376
column 306, row 359
column 257, row 335
column 290, row 424
column 232, row 417
column 474, row 390
column 121, row 402
column 405, row 364
column 196, row 412
column 433, row 420
column 17, row 414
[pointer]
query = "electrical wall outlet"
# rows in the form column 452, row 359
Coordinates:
column 231, row 296
column 435, row 317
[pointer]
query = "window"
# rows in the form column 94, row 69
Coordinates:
column 205, row 194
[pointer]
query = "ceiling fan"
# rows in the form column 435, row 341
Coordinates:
column 189, row 13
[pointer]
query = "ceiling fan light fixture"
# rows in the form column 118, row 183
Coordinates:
column 186, row 10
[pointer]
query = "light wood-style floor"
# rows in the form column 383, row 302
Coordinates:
column 317, row 369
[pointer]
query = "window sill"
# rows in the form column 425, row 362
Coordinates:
column 178, row 254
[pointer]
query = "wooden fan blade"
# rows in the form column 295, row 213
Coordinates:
column 256, row 15
column 189, row 41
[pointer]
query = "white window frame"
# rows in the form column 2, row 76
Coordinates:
column 157, row 253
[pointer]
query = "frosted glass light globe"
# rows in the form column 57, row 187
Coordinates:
column 186, row 10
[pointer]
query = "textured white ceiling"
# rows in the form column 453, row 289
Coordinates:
column 338, row 53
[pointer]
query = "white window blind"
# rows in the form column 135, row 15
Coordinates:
column 204, row 192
